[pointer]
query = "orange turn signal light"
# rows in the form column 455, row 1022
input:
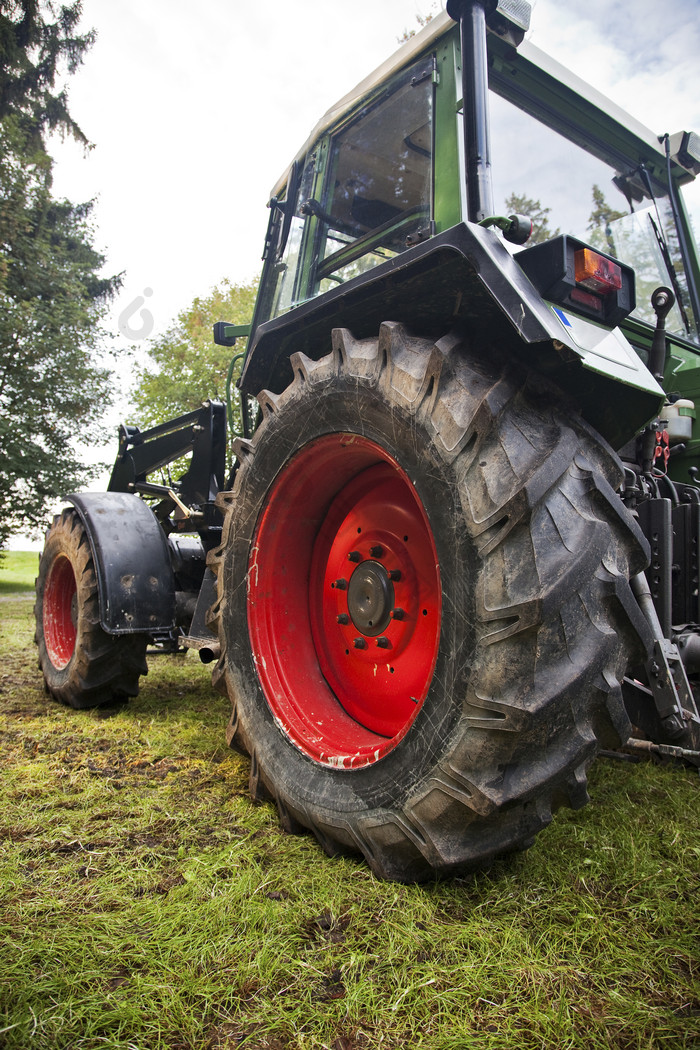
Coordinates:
column 596, row 272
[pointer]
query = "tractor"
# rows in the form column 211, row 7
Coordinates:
column 453, row 553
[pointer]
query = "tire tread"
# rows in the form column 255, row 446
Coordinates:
column 104, row 669
column 557, row 549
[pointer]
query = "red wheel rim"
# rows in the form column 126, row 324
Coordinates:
column 59, row 612
column 344, row 601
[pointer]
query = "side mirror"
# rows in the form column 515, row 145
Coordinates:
column 226, row 334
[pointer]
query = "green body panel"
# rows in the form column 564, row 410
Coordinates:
column 682, row 377
column 448, row 211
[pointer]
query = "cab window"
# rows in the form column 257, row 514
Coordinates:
column 566, row 189
column 377, row 192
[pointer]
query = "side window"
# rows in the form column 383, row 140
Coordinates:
column 376, row 174
column 377, row 195
column 565, row 189
column 288, row 256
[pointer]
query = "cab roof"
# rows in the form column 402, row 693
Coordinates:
column 434, row 30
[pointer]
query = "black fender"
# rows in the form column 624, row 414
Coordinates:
column 135, row 579
column 466, row 277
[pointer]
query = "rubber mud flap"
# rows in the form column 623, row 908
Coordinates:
column 83, row 666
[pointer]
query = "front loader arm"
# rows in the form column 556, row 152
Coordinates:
column 201, row 432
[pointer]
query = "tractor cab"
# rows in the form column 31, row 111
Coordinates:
column 384, row 171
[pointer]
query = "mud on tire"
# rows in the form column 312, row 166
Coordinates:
column 501, row 705
column 83, row 666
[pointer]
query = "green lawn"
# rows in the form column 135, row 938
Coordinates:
column 147, row 904
column 18, row 571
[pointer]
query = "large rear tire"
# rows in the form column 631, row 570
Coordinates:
column 423, row 602
column 83, row 666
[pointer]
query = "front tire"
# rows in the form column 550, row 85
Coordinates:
column 83, row 666
column 423, row 602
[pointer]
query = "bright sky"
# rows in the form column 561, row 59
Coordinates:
column 196, row 110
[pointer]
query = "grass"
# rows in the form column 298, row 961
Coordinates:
column 147, row 904
column 18, row 571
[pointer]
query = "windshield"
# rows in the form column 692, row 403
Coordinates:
column 565, row 189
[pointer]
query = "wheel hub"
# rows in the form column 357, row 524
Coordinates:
column 370, row 598
column 344, row 601
column 60, row 612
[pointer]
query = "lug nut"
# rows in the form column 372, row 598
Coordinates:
column 398, row 614
column 340, row 585
column 360, row 643
column 377, row 550
column 342, row 618
column 383, row 642
column 395, row 575
column 354, row 556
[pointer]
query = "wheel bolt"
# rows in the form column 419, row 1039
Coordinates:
column 398, row 614
column 354, row 556
column 395, row 575
column 360, row 643
column 383, row 642
column 341, row 584
column 377, row 550
column 342, row 618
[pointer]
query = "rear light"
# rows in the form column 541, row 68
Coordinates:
column 593, row 302
column 596, row 272
column 570, row 273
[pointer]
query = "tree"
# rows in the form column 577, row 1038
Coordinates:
column 33, row 51
column 53, row 389
column 520, row 204
column 600, row 221
column 185, row 366
column 422, row 21
column 632, row 237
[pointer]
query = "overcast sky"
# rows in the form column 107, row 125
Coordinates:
column 195, row 110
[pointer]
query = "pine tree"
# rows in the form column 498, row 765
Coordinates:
column 520, row 204
column 600, row 221
column 53, row 389
column 33, row 51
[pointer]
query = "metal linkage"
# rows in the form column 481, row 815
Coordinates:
column 683, row 754
column 668, row 681
column 203, row 433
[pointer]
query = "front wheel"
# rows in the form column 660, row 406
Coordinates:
column 423, row 602
column 83, row 666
